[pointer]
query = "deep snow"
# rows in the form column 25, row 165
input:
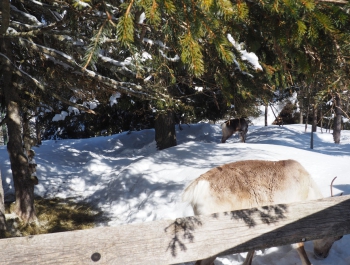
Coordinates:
column 132, row 182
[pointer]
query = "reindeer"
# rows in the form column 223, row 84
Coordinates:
column 232, row 126
column 255, row 183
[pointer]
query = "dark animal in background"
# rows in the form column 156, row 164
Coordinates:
column 232, row 126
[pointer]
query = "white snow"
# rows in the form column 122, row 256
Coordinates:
column 245, row 56
column 61, row 116
column 132, row 182
column 114, row 98
column 142, row 18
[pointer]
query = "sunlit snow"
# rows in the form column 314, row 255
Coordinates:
column 132, row 182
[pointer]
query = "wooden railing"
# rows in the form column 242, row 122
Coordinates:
column 184, row 239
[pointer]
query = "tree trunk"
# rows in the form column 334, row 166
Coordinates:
column 312, row 140
column 321, row 115
column 307, row 116
column 314, row 118
column 266, row 110
column 24, row 186
column 38, row 131
column 5, row 10
column 28, row 143
column 337, row 120
column 165, row 130
column 2, row 211
column 4, row 129
column 28, row 140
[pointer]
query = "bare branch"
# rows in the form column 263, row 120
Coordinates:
column 43, row 5
column 24, row 17
column 32, row 30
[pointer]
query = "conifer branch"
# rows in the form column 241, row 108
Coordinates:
column 95, row 45
column 129, row 8
column 35, row 30
column 72, row 66
column 31, row 79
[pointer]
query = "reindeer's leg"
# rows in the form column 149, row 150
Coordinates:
column 225, row 136
column 208, row 261
column 249, row 258
column 245, row 134
column 224, row 133
column 241, row 136
column 302, row 253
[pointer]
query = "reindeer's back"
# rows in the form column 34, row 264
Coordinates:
column 250, row 183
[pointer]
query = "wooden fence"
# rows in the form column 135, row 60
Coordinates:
column 184, row 239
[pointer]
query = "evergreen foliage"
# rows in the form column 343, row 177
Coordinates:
column 148, row 50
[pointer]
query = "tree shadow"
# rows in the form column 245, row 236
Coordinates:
column 183, row 228
column 268, row 214
column 328, row 220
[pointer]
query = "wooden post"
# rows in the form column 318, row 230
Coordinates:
column 337, row 119
column 184, row 239
column 312, row 140
column 275, row 116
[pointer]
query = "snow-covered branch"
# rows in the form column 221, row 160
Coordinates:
column 31, row 79
column 24, row 17
column 73, row 67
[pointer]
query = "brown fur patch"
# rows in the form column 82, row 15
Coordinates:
column 252, row 183
column 258, row 182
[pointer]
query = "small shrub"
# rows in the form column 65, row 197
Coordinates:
column 54, row 215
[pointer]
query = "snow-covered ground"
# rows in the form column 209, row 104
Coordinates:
column 132, row 182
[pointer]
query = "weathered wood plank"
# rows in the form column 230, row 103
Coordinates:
column 184, row 239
